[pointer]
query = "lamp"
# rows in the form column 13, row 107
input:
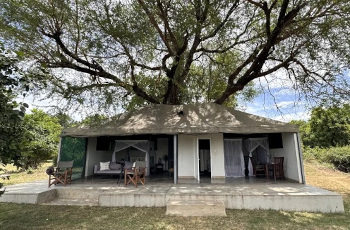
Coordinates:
column 181, row 113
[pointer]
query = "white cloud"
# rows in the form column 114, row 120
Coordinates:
column 285, row 104
column 293, row 116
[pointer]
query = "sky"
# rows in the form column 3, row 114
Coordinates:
column 281, row 107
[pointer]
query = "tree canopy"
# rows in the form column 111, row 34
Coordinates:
column 39, row 140
column 12, row 82
column 327, row 127
column 175, row 51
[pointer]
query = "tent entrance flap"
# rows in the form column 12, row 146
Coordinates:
column 142, row 145
column 234, row 159
column 74, row 149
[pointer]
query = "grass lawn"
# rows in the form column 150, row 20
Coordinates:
column 15, row 216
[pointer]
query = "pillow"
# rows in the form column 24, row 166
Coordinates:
column 104, row 166
column 128, row 164
column 114, row 166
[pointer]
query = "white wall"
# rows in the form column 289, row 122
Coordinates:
column 186, row 148
column 187, row 153
column 291, row 160
column 95, row 157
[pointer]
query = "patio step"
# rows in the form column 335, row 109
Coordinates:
column 78, row 193
column 73, row 202
column 195, row 207
column 73, row 196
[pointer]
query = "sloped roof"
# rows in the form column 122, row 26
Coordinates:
column 182, row 119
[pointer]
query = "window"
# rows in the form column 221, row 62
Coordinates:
column 103, row 143
column 275, row 141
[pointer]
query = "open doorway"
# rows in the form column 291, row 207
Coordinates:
column 204, row 166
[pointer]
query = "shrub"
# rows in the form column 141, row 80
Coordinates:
column 315, row 153
column 337, row 156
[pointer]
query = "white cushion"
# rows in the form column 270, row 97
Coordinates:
column 104, row 165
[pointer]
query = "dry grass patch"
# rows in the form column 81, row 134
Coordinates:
column 18, row 176
column 327, row 178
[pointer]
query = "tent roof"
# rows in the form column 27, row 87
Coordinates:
column 182, row 119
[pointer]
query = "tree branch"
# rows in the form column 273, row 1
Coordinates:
column 163, row 15
column 253, row 71
column 222, row 24
column 155, row 25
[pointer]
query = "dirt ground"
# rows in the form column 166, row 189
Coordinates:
column 326, row 178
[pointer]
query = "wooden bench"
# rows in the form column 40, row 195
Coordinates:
column 5, row 176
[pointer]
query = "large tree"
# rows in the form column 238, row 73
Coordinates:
column 175, row 51
column 12, row 83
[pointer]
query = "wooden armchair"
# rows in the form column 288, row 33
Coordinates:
column 62, row 174
column 135, row 175
column 278, row 168
column 258, row 170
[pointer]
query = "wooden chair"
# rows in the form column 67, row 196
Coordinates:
column 258, row 170
column 136, row 174
column 278, row 168
column 62, row 174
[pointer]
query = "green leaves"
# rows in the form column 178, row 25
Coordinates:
column 125, row 47
column 327, row 127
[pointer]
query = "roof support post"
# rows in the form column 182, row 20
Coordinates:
column 59, row 150
column 299, row 155
column 175, row 157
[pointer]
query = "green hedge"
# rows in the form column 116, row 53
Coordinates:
column 337, row 156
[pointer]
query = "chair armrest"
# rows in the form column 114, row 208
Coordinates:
column 95, row 168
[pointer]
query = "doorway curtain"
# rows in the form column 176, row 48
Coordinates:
column 234, row 159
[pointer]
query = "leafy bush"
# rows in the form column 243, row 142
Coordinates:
column 315, row 153
column 337, row 156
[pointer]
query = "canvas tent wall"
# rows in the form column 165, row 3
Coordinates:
column 73, row 149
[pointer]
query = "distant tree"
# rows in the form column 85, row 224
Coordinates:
column 327, row 127
column 175, row 52
column 39, row 142
column 305, row 131
column 64, row 119
column 330, row 126
column 93, row 120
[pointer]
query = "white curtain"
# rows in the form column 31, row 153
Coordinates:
column 142, row 145
column 204, row 155
column 234, row 159
column 261, row 146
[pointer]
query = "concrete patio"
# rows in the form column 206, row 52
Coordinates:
column 235, row 193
